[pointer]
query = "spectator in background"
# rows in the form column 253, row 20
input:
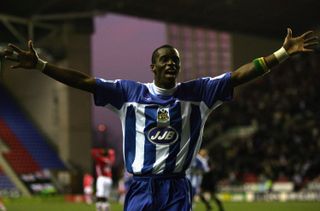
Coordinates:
column 104, row 160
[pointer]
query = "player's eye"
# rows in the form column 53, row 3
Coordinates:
column 176, row 59
column 164, row 58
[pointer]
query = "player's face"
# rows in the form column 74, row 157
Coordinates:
column 166, row 67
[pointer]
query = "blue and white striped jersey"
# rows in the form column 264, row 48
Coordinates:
column 162, row 129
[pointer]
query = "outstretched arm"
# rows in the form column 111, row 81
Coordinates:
column 291, row 45
column 30, row 60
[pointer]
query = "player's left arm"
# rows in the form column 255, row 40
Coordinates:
column 291, row 45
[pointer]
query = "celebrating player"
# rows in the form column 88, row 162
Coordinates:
column 163, row 121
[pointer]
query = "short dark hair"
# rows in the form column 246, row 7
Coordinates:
column 155, row 52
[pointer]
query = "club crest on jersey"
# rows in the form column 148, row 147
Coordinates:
column 163, row 115
column 163, row 135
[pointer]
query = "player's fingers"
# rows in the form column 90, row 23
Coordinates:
column 12, row 58
column 306, row 34
column 313, row 38
column 30, row 44
column 307, row 50
column 7, row 52
column 289, row 33
column 310, row 45
column 15, row 48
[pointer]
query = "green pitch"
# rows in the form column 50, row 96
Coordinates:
column 58, row 204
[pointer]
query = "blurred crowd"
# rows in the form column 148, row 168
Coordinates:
column 282, row 111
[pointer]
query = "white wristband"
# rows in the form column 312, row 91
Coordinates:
column 281, row 55
column 41, row 64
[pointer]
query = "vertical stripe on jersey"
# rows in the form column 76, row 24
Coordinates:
column 162, row 152
column 185, row 136
column 139, row 141
column 195, row 126
column 130, row 137
column 161, row 157
column 149, row 148
column 175, row 122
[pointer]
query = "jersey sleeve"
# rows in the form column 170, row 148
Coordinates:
column 211, row 91
column 109, row 92
column 216, row 89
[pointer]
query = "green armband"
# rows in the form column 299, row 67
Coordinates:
column 260, row 65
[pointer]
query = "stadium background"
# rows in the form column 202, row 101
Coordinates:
column 270, row 133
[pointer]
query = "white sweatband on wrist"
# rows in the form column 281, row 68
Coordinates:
column 41, row 64
column 281, row 55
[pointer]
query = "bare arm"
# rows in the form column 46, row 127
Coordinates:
column 70, row 77
column 30, row 60
column 293, row 45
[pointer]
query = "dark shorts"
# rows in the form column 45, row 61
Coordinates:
column 159, row 193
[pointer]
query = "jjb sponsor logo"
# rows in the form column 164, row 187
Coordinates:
column 163, row 135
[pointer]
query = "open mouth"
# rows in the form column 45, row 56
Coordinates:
column 171, row 73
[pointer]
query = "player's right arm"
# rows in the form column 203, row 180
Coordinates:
column 71, row 77
column 30, row 60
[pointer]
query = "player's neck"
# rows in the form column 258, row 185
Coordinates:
column 164, row 91
column 168, row 85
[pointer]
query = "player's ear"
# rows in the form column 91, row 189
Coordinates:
column 152, row 67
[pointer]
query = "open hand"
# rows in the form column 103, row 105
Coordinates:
column 25, row 59
column 306, row 42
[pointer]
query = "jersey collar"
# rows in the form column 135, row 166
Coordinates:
column 160, row 91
